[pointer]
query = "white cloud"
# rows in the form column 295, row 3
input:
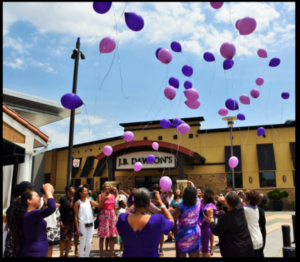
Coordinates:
column 50, row 70
column 16, row 44
column 18, row 64
column 82, row 120
column 57, row 51
column 289, row 6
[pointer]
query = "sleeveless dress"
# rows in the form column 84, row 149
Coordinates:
column 188, row 235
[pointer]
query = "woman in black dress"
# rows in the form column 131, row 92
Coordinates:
column 262, row 220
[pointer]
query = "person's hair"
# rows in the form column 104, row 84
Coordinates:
column 264, row 199
column 77, row 195
column 175, row 196
column 222, row 194
column 253, row 197
column 17, row 190
column 16, row 224
column 106, row 184
column 199, row 187
column 130, row 188
column 232, row 199
column 67, row 188
column 141, row 197
column 208, row 196
column 189, row 197
column 86, row 186
column 156, row 187
column 121, row 202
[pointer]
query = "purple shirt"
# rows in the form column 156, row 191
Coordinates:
column 34, row 230
column 143, row 243
column 215, row 212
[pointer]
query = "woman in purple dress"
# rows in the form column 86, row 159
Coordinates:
column 141, row 232
column 208, row 201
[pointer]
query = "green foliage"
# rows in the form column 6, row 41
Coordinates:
column 293, row 203
column 266, row 207
column 96, row 193
column 223, row 191
column 277, row 195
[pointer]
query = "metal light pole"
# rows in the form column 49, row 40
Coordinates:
column 75, row 56
column 230, row 122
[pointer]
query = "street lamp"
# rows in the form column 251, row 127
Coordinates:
column 230, row 122
column 75, row 56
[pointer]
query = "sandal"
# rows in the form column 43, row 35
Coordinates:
column 76, row 253
column 161, row 253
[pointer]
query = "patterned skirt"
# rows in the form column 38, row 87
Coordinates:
column 67, row 231
column 107, row 224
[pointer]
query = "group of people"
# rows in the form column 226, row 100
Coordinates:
column 138, row 219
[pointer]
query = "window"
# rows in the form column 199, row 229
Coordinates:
column 238, row 180
column 77, row 182
column 294, row 175
column 267, row 179
column 47, row 178
column 90, row 181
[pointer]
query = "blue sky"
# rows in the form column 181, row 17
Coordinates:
column 38, row 39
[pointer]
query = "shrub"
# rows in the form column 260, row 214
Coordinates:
column 293, row 203
column 277, row 195
column 96, row 193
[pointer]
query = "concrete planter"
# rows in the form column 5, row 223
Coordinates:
column 277, row 204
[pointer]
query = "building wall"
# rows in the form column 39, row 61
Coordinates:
column 38, row 176
column 12, row 134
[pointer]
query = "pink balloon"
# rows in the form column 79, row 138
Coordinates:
column 227, row 50
column 165, row 56
column 155, row 146
column 247, row 26
column 128, row 136
column 170, row 92
column 262, row 53
column 183, row 129
column 245, row 99
column 191, row 94
column 137, row 166
column 259, row 81
column 254, row 93
column 216, row 5
column 192, row 104
column 107, row 45
column 237, row 24
column 233, row 162
column 165, row 183
column 107, row 150
column 223, row 111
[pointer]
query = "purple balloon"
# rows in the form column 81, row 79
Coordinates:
column 170, row 92
column 208, row 57
column 216, row 5
column 285, row 95
column 237, row 24
column 71, row 101
column 227, row 50
column 241, row 117
column 262, row 53
column 260, row 131
column 175, row 46
column 254, row 93
column 247, row 26
column 233, row 162
column 102, row 7
column 134, row 21
column 157, row 51
column 187, row 70
column 191, row 94
column 188, row 84
column 192, row 104
column 150, row 159
column 244, row 99
column 107, row 150
column 137, row 166
column 232, row 104
column 128, row 136
column 173, row 81
column 274, row 62
column 183, row 129
column 165, row 183
column 180, row 122
column 165, row 123
column 107, row 45
column 176, row 122
column 223, row 111
column 259, row 81
column 227, row 64
column 165, row 56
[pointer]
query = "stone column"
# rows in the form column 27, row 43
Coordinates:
column 181, row 184
column 23, row 170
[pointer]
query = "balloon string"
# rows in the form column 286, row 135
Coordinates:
column 230, row 21
column 210, row 89
column 95, row 175
column 193, row 67
column 176, row 158
column 246, row 139
column 170, row 110
column 226, row 84
column 118, row 20
column 127, row 178
column 178, row 106
column 162, row 162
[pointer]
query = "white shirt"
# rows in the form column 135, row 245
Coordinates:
column 252, row 217
column 170, row 199
column 122, row 210
column 85, row 214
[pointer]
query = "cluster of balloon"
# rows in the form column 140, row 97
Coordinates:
column 155, row 146
column 246, row 26
column 191, row 94
column 244, row 99
column 232, row 104
column 173, row 81
column 107, row 150
column 192, row 104
column 208, row 57
column 216, row 5
column 170, row 92
column 233, row 161
column 165, row 123
column 241, row 117
column 254, row 93
column 260, row 131
column 223, row 111
column 71, row 101
column 183, row 128
column 285, row 95
column 177, row 122
column 137, row 166
column 274, row 62
column 165, row 183
column 227, row 64
column 150, row 159
column 262, row 53
column 259, row 81
column 128, row 136
column 188, row 84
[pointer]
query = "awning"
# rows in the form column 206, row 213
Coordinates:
column 10, row 152
column 292, row 146
column 100, row 168
column 87, row 166
column 75, row 166
column 265, row 157
column 236, row 153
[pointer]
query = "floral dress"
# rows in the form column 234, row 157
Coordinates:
column 67, row 231
column 53, row 233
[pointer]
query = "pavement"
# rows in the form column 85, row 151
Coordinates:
column 273, row 248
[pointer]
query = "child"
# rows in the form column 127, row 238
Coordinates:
column 122, row 205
